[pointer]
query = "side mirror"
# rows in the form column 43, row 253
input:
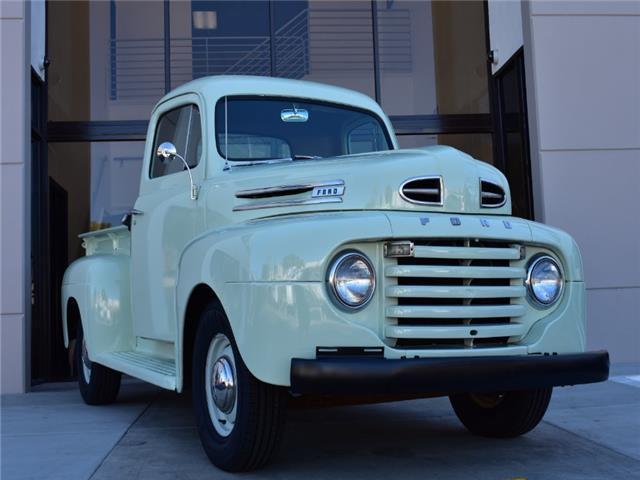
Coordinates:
column 167, row 152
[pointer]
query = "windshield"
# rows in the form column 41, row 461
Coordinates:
column 263, row 128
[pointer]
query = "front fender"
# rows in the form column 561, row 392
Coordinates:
column 290, row 252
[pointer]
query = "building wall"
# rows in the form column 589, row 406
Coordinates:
column 14, row 201
column 505, row 30
column 583, row 81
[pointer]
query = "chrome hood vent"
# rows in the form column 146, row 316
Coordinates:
column 491, row 195
column 423, row 190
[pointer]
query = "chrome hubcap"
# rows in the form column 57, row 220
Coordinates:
column 224, row 387
column 86, row 363
column 221, row 385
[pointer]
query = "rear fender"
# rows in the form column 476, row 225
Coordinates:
column 100, row 285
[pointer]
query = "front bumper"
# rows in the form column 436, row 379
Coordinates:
column 416, row 376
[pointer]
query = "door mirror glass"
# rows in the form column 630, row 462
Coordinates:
column 166, row 151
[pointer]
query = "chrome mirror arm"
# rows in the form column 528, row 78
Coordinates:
column 194, row 187
column 167, row 150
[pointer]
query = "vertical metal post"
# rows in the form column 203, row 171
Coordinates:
column 376, row 50
column 272, row 37
column 167, row 47
column 113, row 49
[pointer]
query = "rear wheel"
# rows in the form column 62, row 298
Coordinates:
column 501, row 415
column 240, row 419
column 99, row 385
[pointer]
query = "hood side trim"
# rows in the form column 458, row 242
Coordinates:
column 281, row 190
column 287, row 203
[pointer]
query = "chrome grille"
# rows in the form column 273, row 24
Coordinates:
column 455, row 293
column 423, row 190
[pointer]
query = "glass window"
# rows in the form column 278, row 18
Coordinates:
column 181, row 127
column 432, row 57
column 325, row 41
column 258, row 128
column 219, row 38
column 460, row 54
column 107, row 59
column 101, row 181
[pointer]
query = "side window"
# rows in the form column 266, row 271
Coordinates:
column 181, row 127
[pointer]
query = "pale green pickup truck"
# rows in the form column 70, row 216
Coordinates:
column 282, row 246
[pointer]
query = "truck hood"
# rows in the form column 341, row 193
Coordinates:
column 369, row 182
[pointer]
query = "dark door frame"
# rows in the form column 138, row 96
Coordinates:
column 510, row 123
column 501, row 124
column 40, row 255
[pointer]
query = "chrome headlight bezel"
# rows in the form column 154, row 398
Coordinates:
column 531, row 294
column 338, row 261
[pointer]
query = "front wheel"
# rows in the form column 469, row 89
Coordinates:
column 240, row 419
column 99, row 385
column 501, row 415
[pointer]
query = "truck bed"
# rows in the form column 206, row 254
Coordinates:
column 109, row 241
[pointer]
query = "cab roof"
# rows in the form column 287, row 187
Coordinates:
column 218, row 86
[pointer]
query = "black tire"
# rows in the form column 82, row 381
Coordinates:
column 506, row 415
column 104, row 383
column 260, row 409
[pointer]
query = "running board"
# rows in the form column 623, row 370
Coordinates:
column 155, row 370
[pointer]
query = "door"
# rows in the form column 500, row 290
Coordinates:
column 166, row 219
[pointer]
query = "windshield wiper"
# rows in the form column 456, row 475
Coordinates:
column 264, row 161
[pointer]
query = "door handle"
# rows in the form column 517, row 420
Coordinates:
column 135, row 211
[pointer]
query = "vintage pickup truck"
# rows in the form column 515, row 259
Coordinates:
column 283, row 246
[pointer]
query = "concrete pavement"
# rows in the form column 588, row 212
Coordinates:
column 589, row 432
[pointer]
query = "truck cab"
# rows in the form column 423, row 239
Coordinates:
column 283, row 246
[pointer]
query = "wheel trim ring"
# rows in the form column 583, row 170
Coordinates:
column 219, row 349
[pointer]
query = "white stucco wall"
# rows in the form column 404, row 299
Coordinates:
column 14, row 203
column 583, row 88
column 505, row 30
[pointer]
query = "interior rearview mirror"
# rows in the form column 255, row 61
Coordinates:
column 294, row 115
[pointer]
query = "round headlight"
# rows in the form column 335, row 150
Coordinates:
column 352, row 279
column 544, row 280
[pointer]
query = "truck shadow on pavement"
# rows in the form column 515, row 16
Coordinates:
column 410, row 439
